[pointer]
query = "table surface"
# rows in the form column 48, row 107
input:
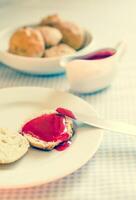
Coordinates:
column 111, row 173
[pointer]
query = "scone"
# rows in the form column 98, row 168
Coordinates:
column 73, row 35
column 48, row 130
column 59, row 50
column 51, row 36
column 50, row 20
column 12, row 146
column 27, row 42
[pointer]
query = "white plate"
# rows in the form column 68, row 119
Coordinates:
column 43, row 66
column 39, row 167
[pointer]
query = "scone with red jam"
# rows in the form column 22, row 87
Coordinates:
column 48, row 130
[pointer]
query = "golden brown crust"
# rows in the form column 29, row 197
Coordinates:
column 59, row 50
column 27, row 42
column 73, row 35
column 52, row 36
column 39, row 143
column 63, row 37
column 50, row 20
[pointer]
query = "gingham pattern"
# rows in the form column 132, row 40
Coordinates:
column 111, row 174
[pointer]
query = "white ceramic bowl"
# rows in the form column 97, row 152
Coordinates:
column 34, row 65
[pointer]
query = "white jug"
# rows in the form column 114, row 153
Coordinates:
column 90, row 75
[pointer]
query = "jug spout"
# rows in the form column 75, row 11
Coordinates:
column 116, row 53
column 120, row 49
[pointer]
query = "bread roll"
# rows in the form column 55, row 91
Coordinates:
column 27, row 42
column 59, row 50
column 51, row 36
column 12, row 146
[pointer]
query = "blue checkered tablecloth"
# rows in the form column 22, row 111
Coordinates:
column 111, row 174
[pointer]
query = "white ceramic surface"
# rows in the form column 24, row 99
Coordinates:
column 38, row 167
column 34, row 65
column 87, row 76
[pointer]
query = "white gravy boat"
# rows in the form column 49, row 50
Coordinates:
column 87, row 73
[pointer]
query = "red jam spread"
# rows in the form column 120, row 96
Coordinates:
column 63, row 146
column 48, row 127
column 66, row 112
column 104, row 53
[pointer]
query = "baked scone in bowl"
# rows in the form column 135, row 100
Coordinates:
column 39, row 48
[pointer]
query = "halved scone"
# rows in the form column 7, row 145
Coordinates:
column 12, row 146
column 48, row 130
